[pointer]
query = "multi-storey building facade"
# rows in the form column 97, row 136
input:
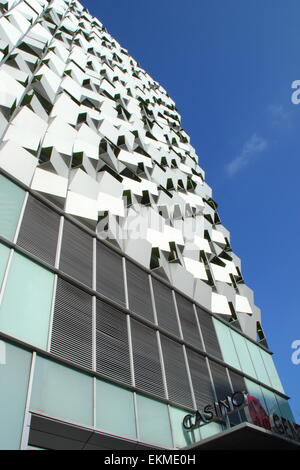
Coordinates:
column 122, row 308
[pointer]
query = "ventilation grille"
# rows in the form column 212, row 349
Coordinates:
column 147, row 367
column 202, row 386
column 188, row 322
column 112, row 350
column 139, row 291
column 39, row 230
column 110, row 279
column 76, row 257
column 72, row 325
column 209, row 333
column 176, row 373
column 165, row 308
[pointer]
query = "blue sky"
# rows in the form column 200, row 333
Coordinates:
column 229, row 66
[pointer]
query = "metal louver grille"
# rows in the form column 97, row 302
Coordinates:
column 72, row 325
column 209, row 333
column 188, row 322
column 165, row 308
column 139, row 291
column 39, row 230
column 176, row 373
column 109, row 274
column 112, row 349
column 147, row 367
column 202, row 386
column 76, row 257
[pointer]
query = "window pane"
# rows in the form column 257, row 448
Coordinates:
column 25, row 309
column 285, row 409
column 256, row 391
column 62, row 392
column 243, row 354
column 271, row 402
column 4, row 253
column 154, row 422
column 226, row 344
column 14, row 376
column 210, row 430
column 182, row 437
column 115, row 410
column 11, row 201
column 272, row 372
column 258, row 363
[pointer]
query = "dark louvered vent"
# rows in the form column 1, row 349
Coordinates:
column 112, row 350
column 76, row 258
column 109, row 274
column 176, row 373
column 238, row 385
column 188, row 321
column 165, row 308
column 39, row 230
column 147, row 367
column 72, row 325
column 201, row 380
column 220, row 379
column 209, row 333
column 139, row 291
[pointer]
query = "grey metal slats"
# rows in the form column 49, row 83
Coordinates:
column 209, row 333
column 202, row 385
column 165, row 307
column 39, row 230
column 112, row 349
column 147, row 367
column 176, row 373
column 139, row 291
column 188, row 321
column 76, row 257
column 72, row 325
column 109, row 274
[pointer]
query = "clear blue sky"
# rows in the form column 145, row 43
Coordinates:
column 229, row 66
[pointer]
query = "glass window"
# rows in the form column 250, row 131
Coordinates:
column 14, row 375
column 210, row 430
column 26, row 305
column 272, row 372
column 11, row 201
column 226, row 344
column 115, row 410
column 256, row 391
column 243, row 354
column 182, row 437
column 62, row 392
column 4, row 254
column 154, row 423
column 271, row 402
column 258, row 364
column 285, row 410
